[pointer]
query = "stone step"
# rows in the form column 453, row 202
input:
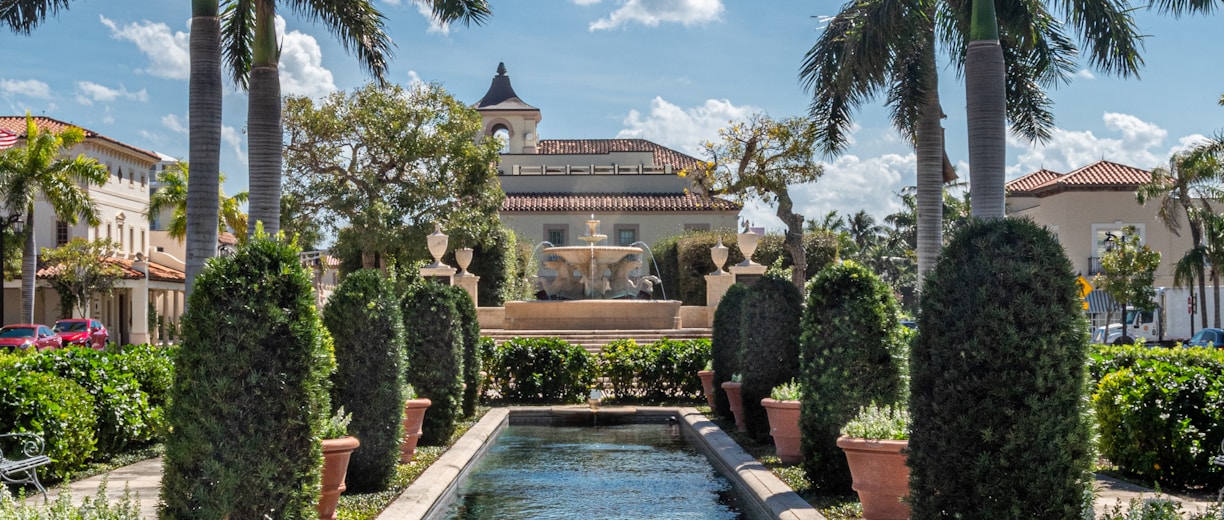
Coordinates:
column 593, row 340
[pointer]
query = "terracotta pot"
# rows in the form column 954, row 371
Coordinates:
column 737, row 405
column 881, row 477
column 784, row 427
column 707, row 385
column 336, row 454
column 414, row 416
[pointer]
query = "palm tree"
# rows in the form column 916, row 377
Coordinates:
column 23, row 15
column 1176, row 187
column 40, row 169
column 172, row 195
column 252, row 55
column 993, row 69
column 204, row 131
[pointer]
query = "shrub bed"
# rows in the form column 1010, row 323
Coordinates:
column 541, row 370
column 55, row 407
column 664, row 369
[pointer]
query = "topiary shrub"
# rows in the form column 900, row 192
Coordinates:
column 852, row 354
column 121, row 408
column 769, row 333
column 52, row 406
column 433, row 354
column 726, row 344
column 542, row 370
column 471, row 350
column 363, row 317
column 997, row 398
column 250, row 393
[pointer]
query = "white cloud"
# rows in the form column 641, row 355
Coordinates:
column 1139, row 145
column 1086, row 74
column 173, row 123
column 683, row 128
column 301, row 64
column 27, row 87
column 435, row 25
column 88, row 92
column 232, row 137
column 585, row 2
column 653, row 12
column 168, row 51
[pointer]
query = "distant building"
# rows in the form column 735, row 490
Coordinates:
column 554, row 185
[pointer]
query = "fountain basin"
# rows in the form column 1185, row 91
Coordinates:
column 593, row 315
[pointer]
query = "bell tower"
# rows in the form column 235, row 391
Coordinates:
column 502, row 110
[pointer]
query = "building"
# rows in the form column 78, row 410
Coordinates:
column 122, row 202
column 553, row 186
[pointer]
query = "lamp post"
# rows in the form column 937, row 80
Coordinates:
column 13, row 222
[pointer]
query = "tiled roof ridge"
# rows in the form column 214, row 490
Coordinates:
column 1102, row 174
column 610, row 202
column 662, row 154
column 18, row 124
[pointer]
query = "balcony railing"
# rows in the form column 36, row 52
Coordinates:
column 1094, row 265
column 583, row 169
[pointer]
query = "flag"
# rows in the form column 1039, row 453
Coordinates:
column 7, row 139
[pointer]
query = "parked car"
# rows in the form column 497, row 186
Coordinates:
column 28, row 335
column 82, row 332
column 1208, row 337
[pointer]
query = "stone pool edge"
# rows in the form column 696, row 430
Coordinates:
column 437, row 484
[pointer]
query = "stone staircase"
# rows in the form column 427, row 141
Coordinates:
column 593, row 340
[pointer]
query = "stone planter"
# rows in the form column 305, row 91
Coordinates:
column 414, row 416
column 784, row 427
column 737, row 405
column 707, row 385
column 880, row 475
column 336, row 453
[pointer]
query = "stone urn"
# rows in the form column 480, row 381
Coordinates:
column 784, row 427
column 336, row 453
column 747, row 242
column 880, row 476
column 414, row 417
column 707, row 385
column 718, row 254
column 463, row 257
column 732, row 388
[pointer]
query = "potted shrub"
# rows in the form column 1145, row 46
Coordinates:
column 338, row 446
column 707, row 383
column 876, row 442
column 732, row 389
column 414, row 417
column 782, row 408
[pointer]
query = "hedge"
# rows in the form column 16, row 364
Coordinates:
column 434, row 355
column 540, row 370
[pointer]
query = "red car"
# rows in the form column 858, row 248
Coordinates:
column 82, row 332
column 28, row 335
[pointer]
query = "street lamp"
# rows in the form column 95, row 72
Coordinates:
column 13, row 222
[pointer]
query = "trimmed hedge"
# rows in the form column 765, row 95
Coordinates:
column 693, row 254
column 726, row 347
column 997, row 393
column 153, row 368
column 769, row 333
column 853, row 353
column 1160, row 414
column 250, row 393
column 541, row 370
column 363, row 317
column 433, row 350
column 471, row 351
column 60, row 410
column 665, row 369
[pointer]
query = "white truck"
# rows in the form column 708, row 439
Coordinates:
column 1170, row 322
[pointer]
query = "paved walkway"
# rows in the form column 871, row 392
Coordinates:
column 144, row 479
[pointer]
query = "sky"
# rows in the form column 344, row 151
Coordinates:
column 671, row 71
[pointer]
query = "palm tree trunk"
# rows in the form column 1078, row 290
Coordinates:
column 929, row 145
column 986, row 112
column 264, row 123
column 29, row 266
column 204, row 112
column 1215, row 279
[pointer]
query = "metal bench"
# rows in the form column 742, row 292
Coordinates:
column 20, row 466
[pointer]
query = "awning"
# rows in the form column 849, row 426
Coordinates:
column 1101, row 302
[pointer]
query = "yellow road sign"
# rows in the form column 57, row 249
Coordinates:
column 1084, row 288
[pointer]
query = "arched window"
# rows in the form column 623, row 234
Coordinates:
column 502, row 134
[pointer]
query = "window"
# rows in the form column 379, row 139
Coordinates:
column 625, row 234
column 61, row 233
column 556, row 234
column 120, row 175
column 696, row 227
column 131, row 237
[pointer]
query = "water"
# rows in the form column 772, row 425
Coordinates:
column 634, row 471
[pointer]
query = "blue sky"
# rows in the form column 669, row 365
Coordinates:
column 672, row 71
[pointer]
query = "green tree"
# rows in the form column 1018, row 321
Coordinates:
column 80, row 269
column 23, row 15
column 172, row 195
column 388, row 162
column 40, row 168
column 762, row 157
column 1128, row 270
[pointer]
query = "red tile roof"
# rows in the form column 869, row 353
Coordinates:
column 157, row 272
column 1098, row 176
column 614, row 203
column 663, row 156
column 1031, row 180
column 17, row 124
